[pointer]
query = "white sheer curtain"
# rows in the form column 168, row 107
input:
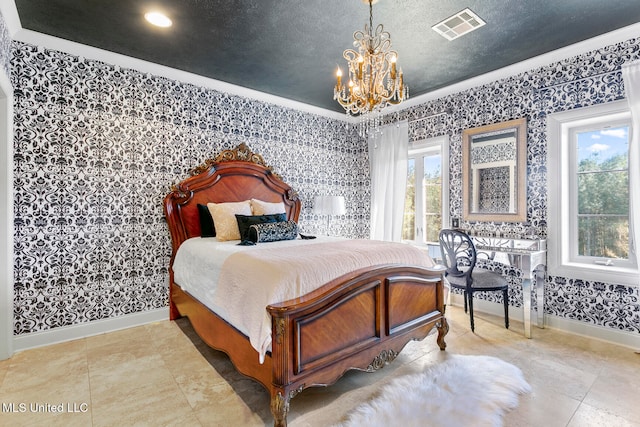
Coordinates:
column 631, row 76
column 388, row 154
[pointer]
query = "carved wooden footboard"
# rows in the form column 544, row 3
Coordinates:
column 357, row 322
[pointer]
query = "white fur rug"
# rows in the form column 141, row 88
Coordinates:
column 461, row 391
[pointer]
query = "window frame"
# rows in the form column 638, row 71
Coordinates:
column 416, row 151
column 563, row 259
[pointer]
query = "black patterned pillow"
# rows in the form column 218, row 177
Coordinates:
column 246, row 221
column 273, row 231
column 207, row 229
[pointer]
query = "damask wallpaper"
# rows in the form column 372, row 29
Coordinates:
column 583, row 80
column 96, row 149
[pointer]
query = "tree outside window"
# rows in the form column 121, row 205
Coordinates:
column 423, row 201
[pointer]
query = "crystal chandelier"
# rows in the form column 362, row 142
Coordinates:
column 374, row 80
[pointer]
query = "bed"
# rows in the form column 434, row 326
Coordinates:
column 359, row 320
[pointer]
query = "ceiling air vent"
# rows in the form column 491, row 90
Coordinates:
column 459, row 24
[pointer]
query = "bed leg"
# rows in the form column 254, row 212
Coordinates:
column 173, row 311
column 443, row 328
column 279, row 408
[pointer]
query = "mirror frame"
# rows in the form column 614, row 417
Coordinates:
column 520, row 214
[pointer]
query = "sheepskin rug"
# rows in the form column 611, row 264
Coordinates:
column 461, row 391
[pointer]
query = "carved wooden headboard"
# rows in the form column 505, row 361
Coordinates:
column 233, row 176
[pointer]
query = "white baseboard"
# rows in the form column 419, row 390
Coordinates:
column 69, row 333
column 626, row 339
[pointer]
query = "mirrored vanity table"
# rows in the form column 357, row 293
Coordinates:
column 527, row 255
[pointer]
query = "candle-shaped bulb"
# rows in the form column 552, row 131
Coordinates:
column 393, row 61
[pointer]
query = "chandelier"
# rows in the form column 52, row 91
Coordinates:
column 374, row 80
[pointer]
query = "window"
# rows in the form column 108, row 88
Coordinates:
column 426, row 210
column 589, row 218
column 601, row 168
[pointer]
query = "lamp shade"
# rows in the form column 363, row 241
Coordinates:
column 329, row 205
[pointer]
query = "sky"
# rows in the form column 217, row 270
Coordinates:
column 604, row 143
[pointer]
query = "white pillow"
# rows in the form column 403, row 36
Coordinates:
column 258, row 207
column 224, row 218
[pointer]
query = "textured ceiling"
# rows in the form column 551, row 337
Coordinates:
column 291, row 48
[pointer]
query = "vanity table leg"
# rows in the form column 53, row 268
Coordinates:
column 526, row 302
column 540, row 275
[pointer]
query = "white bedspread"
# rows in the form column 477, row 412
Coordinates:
column 238, row 282
column 198, row 263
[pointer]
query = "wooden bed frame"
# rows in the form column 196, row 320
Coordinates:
column 361, row 320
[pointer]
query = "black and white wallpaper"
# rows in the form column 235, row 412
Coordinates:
column 96, row 149
column 583, row 80
column 98, row 146
column 5, row 46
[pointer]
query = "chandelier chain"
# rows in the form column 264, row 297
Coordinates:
column 370, row 17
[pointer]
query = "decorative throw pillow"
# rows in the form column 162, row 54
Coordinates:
column 207, row 228
column 246, row 221
column 224, row 218
column 273, row 231
column 259, row 207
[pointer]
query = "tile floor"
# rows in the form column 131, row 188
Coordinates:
column 162, row 375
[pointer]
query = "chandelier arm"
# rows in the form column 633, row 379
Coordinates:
column 350, row 55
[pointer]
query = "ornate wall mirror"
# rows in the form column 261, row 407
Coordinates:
column 494, row 172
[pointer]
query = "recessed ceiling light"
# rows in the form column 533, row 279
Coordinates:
column 158, row 19
column 459, row 24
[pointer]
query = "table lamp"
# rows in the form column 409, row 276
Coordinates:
column 329, row 206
